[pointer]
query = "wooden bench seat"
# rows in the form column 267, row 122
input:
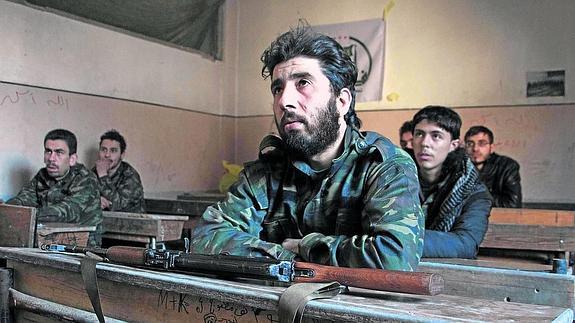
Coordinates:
column 531, row 229
column 493, row 279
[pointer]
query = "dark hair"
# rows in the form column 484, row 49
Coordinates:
column 478, row 129
column 113, row 134
column 63, row 134
column 444, row 117
column 335, row 63
column 407, row 126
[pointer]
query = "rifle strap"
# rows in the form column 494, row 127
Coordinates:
column 294, row 299
column 88, row 269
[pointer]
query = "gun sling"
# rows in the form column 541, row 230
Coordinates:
column 90, row 278
column 291, row 304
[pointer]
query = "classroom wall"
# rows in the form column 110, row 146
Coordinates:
column 450, row 52
column 472, row 55
column 57, row 52
column 174, row 107
column 183, row 113
column 173, row 149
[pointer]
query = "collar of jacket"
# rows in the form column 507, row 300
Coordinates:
column 50, row 181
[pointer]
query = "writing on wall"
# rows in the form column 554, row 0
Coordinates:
column 28, row 97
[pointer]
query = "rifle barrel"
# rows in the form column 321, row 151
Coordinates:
column 263, row 268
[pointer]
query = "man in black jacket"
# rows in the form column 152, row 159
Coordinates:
column 499, row 173
column 455, row 202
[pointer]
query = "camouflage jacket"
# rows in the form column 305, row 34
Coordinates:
column 73, row 199
column 124, row 189
column 362, row 212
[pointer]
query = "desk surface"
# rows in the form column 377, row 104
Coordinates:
column 119, row 286
column 180, row 203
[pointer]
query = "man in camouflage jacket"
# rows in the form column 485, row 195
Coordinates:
column 64, row 190
column 323, row 192
column 119, row 183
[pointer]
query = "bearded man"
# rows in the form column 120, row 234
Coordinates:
column 322, row 191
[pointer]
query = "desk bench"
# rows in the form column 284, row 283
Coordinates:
column 18, row 228
column 142, row 295
column 143, row 228
column 531, row 230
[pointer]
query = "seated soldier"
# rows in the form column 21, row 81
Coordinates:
column 64, row 190
column 323, row 191
column 119, row 183
column 499, row 173
column 456, row 203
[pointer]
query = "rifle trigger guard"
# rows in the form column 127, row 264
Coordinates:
column 283, row 271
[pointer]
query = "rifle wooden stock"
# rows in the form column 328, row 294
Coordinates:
column 127, row 255
column 377, row 279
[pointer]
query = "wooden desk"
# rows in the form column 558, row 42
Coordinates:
column 498, row 280
column 18, row 228
column 63, row 233
column 142, row 295
column 191, row 204
column 142, row 227
column 531, row 230
column 181, row 203
column 521, row 233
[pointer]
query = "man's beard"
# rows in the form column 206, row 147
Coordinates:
column 314, row 138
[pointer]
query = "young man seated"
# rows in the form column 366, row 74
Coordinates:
column 119, row 183
column 456, row 203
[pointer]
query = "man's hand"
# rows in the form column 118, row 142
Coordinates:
column 102, row 167
column 105, row 204
column 291, row 245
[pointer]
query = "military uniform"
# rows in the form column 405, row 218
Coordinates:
column 124, row 189
column 73, row 199
column 363, row 211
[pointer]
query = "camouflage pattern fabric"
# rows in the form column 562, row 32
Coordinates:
column 364, row 211
column 124, row 189
column 73, row 199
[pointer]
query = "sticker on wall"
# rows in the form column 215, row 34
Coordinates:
column 392, row 97
column 546, row 83
column 364, row 41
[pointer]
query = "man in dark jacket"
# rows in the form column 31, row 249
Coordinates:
column 456, row 203
column 406, row 135
column 499, row 173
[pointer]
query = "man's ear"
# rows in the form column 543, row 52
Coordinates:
column 343, row 101
column 454, row 145
column 73, row 159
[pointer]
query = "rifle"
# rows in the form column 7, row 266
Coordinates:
column 265, row 268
